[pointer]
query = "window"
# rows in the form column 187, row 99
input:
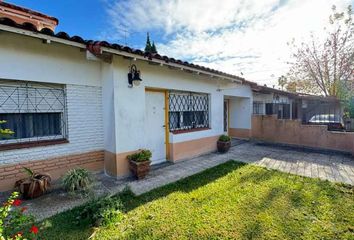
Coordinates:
column 282, row 110
column 258, row 108
column 188, row 111
column 33, row 111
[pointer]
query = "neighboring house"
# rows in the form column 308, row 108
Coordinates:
column 287, row 105
column 69, row 102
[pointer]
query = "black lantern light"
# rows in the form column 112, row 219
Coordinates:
column 134, row 76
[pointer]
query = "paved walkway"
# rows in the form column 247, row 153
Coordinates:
column 330, row 166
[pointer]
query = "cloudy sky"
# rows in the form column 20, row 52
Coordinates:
column 246, row 37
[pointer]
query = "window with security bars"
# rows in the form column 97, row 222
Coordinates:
column 33, row 111
column 188, row 110
column 258, row 108
column 282, row 110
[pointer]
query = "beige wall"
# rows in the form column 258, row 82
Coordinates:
column 270, row 129
column 193, row 148
column 240, row 133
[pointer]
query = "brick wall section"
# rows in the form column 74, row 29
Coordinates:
column 55, row 167
column 292, row 132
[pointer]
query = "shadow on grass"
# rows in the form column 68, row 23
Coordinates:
column 64, row 223
column 272, row 202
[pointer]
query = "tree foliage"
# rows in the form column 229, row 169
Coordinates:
column 150, row 48
column 325, row 66
column 148, row 44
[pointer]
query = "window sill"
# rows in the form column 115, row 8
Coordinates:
column 42, row 143
column 189, row 130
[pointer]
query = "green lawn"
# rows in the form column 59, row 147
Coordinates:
column 230, row 201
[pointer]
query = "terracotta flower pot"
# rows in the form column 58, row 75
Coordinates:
column 139, row 169
column 35, row 187
column 223, row 147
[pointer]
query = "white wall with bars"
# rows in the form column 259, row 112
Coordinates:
column 28, row 60
column 188, row 110
column 33, row 111
column 84, row 125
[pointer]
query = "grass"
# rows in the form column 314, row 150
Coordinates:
column 230, row 201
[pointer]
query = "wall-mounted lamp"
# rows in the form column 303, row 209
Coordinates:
column 134, row 76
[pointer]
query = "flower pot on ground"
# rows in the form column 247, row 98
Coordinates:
column 224, row 144
column 139, row 163
column 35, row 185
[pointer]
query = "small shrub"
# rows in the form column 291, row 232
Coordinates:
column 102, row 212
column 77, row 180
column 224, row 138
column 14, row 224
column 141, row 156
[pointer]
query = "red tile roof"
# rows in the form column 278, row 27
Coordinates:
column 29, row 11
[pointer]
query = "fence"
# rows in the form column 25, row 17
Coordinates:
column 293, row 132
column 349, row 124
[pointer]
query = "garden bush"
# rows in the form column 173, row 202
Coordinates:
column 14, row 224
column 102, row 211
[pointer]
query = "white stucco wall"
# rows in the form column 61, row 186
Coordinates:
column 240, row 113
column 26, row 58
column 131, row 101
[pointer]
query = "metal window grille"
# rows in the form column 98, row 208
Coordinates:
column 188, row 110
column 281, row 109
column 258, row 108
column 323, row 113
column 33, row 111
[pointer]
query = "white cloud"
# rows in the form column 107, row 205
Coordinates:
column 232, row 36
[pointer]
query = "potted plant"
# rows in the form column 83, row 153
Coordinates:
column 224, row 143
column 77, row 180
column 139, row 163
column 35, row 185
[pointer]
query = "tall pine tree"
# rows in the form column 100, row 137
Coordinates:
column 153, row 48
column 148, row 44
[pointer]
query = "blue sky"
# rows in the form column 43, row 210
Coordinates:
column 87, row 19
column 234, row 36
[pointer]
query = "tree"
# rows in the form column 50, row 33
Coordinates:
column 282, row 81
column 326, row 67
column 148, row 44
column 153, row 48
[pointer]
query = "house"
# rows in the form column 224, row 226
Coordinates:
column 70, row 103
column 288, row 105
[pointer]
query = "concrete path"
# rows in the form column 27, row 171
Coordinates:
column 330, row 166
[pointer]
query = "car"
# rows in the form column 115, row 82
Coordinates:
column 333, row 121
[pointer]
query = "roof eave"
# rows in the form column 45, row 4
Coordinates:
column 116, row 52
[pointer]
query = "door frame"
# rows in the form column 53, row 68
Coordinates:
column 228, row 115
column 166, row 108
